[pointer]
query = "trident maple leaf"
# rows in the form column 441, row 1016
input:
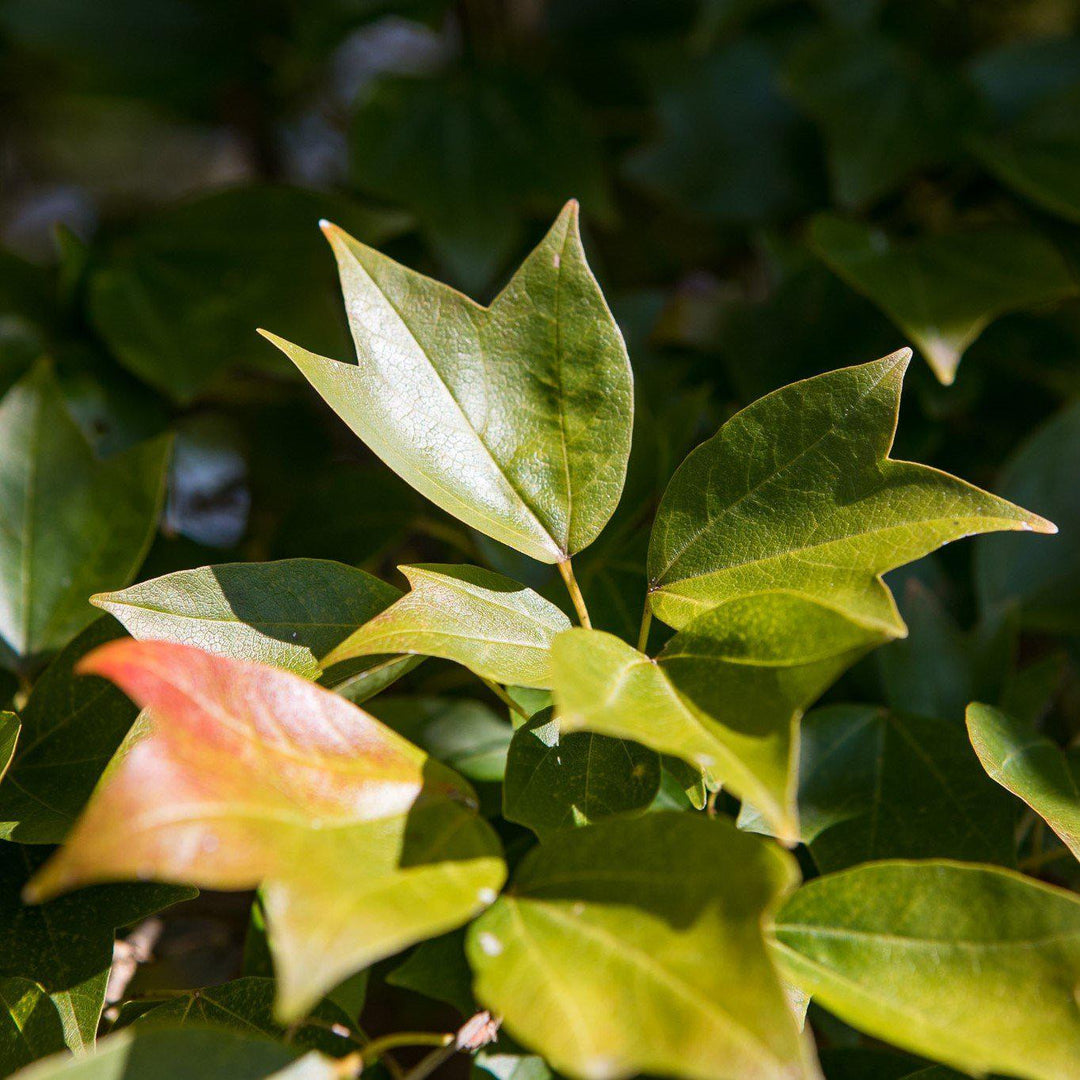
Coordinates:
column 246, row 775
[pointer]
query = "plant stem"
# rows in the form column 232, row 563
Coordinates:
column 430, row 1062
column 378, row 1047
column 646, row 624
column 567, row 570
column 504, row 697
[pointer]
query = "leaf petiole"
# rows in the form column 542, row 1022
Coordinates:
column 566, row 568
column 504, row 697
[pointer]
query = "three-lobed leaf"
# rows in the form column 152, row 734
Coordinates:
column 495, row 627
column 970, row 965
column 515, row 418
column 726, row 693
column 797, row 492
column 292, row 613
column 944, row 290
column 245, row 775
column 637, row 946
column 73, row 525
column 1030, row 766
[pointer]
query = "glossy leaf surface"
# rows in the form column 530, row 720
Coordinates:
column 940, row 958
column 944, row 290
column 635, row 946
column 797, row 492
column 290, row 614
column 74, row 525
column 66, row 945
column 71, row 727
column 515, row 418
column 1030, row 766
column 726, row 693
column 556, row 780
column 493, row 626
column 248, row 775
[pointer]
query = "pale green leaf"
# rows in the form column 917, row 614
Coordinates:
column 1030, row 766
column 557, row 780
column 969, row 965
column 515, row 418
column 797, row 492
column 942, row 291
column 726, row 693
column 72, row 525
column 290, row 614
column 493, row 626
column 637, row 946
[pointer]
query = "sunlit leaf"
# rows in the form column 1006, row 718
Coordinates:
column 636, row 946
column 73, row 525
column 495, row 627
column 943, row 290
column 943, row 959
column 515, row 418
column 556, row 780
column 246, row 775
column 797, row 492
column 290, row 614
column 726, row 693
column 71, row 727
column 66, row 945
column 1030, row 766
column 30, row 1026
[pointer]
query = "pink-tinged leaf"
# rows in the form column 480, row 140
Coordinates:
column 246, row 775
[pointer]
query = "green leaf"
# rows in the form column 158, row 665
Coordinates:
column 908, row 112
column 290, row 614
column 30, row 1024
column 498, row 629
column 1043, row 584
column 151, row 1053
column 71, row 727
column 797, row 492
column 637, row 946
column 969, row 965
column 1039, row 156
column 362, row 845
column 74, row 525
column 177, row 300
column 246, row 1005
column 438, row 970
column 515, row 418
column 880, row 784
column 471, row 154
column 727, row 147
column 9, row 737
column 66, row 945
column 944, row 290
column 558, row 781
column 726, row 693
column 1030, row 766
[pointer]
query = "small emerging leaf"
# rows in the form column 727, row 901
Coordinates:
column 290, row 614
column 1031, row 767
column 726, row 693
column 797, row 492
column 493, row 626
column 970, row 965
column 637, row 946
column 515, row 418
column 248, row 775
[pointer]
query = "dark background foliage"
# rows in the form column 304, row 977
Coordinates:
column 164, row 164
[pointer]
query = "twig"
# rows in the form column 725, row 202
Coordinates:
column 128, row 953
column 646, row 624
column 478, row 1031
column 567, row 570
column 504, row 697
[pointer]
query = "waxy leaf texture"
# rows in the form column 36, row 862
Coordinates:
column 798, row 492
column 248, row 775
column 515, row 418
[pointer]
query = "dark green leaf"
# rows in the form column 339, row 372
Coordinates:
column 438, row 970
column 30, row 1025
column 558, row 781
column 9, row 737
